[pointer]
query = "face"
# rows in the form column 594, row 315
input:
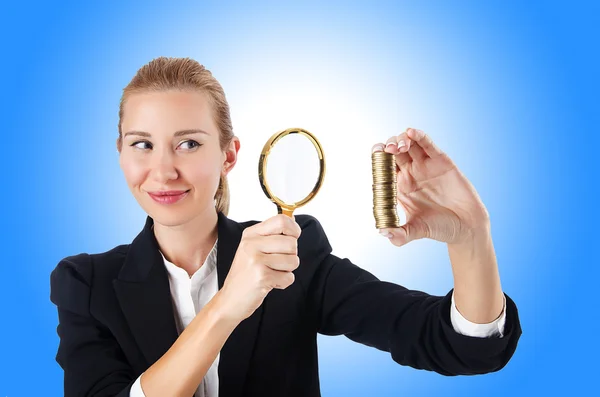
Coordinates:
column 171, row 143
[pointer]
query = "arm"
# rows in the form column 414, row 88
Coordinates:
column 92, row 360
column 475, row 272
column 191, row 355
column 477, row 288
column 414, row 326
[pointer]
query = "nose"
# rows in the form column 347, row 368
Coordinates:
column 163, row 167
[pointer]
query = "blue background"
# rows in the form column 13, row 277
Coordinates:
column 511, row 88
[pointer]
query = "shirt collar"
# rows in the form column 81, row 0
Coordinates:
column 180, row 275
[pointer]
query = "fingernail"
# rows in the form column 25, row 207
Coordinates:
column 401, row 144
column 377, row 148
column 385, row 233
column 390, row 144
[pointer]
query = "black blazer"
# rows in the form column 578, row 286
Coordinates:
column 116, row 319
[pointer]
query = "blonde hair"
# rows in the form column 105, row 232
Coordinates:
column 162, row 74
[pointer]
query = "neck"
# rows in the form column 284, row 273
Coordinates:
column 187, row 245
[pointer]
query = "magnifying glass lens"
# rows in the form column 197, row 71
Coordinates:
column 291, row 169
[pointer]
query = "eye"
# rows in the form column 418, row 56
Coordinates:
column 191, row 144
column 140, row 145
column 135, row 144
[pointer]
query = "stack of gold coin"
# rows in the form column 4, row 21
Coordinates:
column 384, row 190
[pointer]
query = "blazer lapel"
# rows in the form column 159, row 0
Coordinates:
column 144, row 295
column 143, row 292
column 237, row 351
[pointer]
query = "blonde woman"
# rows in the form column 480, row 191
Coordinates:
column 199, row 304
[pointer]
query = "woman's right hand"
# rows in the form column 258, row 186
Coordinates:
column 265, row 258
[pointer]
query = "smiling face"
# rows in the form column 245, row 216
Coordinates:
column 171, row 143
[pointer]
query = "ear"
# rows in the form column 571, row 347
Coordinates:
column 231, row 154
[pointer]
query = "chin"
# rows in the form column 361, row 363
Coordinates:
column 170, row 220
column 172, row 216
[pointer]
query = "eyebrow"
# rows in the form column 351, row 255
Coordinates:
column 176, row 134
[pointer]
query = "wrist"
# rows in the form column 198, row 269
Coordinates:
column 473, row 238
column 221, row 311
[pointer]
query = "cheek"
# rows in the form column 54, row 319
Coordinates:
column 202, row 173
column 133, row 171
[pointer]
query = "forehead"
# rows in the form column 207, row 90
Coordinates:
column 168, row 111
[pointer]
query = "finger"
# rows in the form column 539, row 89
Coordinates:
column 278, row 224
column 277, row 244
column 282, row 280
column 415, row 152
column 403, row 144
column 378, row 147
column 424, row 141
column 405, row 233
column 284, row 263
column 391, row 145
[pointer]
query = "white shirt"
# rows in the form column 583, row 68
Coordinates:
column 189, row 295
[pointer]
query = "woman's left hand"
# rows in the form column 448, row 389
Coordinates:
column 439, row 201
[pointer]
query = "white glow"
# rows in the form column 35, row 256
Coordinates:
column 347, row 124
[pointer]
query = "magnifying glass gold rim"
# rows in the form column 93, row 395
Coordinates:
column 283, row 207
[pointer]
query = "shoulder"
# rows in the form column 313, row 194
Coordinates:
column 72, row 278
column 313, row 239
column 85, row 266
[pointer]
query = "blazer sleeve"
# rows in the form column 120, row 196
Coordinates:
column 413, row 326
column 89, row 355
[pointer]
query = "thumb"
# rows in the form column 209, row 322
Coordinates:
column 404, row 234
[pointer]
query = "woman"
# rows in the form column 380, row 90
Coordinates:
column 199, row 304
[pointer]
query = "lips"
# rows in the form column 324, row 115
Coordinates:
column 168, row 196
column 168, row 192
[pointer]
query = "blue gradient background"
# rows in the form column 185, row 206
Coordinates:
column 508, row 89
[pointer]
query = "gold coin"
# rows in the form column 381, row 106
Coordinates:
column 382, row 225
column 384, row 191
column 390, row 217
column 384, row 205
column 380, row 198
column 384, row 175
column 384, row 200
column 387, row 219
column 385, row 213
column 387, row 193
column 383, row 168
column 383, row 163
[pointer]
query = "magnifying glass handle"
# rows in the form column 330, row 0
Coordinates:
column 285, row 211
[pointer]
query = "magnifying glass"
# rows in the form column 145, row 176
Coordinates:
column 293, row 168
